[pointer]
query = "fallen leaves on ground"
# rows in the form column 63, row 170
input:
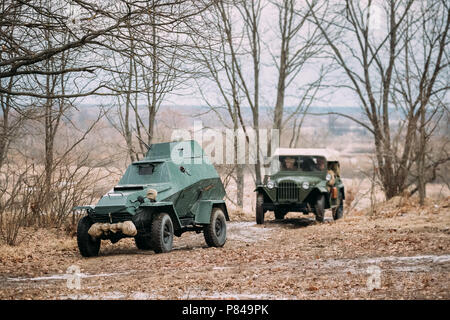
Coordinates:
column 294, row 258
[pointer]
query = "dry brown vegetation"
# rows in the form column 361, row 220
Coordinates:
column 291, row 259
column 57, row 153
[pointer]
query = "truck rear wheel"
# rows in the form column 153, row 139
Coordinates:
column 338, row 212
column 319, row 207
column 88, row 246
column 259, row 208
column 162, row 233
column 215, row 232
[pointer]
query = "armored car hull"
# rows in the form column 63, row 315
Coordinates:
column 174, row 189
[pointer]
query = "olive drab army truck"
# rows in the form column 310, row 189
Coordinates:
column 174, row 189
column 301, row 180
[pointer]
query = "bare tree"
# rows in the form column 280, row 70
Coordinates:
column 13, row 116
column 248, row 82
column 300, row 43
column 92, row 29
column 421, row 87
column 149, row 62
column 213, row 52
column 93, row 24
column 370, row 59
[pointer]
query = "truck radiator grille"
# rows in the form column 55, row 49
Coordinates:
column 116, row 217
column 287, row 191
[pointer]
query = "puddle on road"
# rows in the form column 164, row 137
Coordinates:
column 421, row 263
column 65, row 276
column 106, row 296
column 196, row 295
column 412, row 260
column 115, row 295
column 247, row 232
column 231, row 296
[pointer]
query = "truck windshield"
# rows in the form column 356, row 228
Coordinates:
column 145, row 173
column 297, row 163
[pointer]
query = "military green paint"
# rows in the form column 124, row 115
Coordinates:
column 202, row 210
column 182, row 175
column 316, row 179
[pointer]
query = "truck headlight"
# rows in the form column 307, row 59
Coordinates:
column 305, row 185
column 328, row 177
column 270, row 184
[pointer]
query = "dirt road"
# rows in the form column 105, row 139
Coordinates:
column 403, row 257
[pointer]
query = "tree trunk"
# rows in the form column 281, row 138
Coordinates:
column 281, row 87
column 127, row 128
column 421, row 170
column 6, row 129
column 239, row 169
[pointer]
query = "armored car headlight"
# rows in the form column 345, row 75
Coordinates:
column 151, row 194
column 270, row 184
column 328, row 177
column 305, row 185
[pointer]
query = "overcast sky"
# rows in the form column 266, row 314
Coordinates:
column 190, row 95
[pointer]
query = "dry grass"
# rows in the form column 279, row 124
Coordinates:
column 292, row 259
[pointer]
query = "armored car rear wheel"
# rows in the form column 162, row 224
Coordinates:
column 88, row 246
column 215, row 232
column 162, row 233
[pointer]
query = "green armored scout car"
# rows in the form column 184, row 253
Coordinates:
column 174, row 189
column 301, row 180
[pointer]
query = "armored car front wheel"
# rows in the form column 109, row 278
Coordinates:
column 143, row 242
column 162, row 233
column 215, row 233
column 88, row 246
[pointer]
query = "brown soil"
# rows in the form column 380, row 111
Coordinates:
column 295, row 258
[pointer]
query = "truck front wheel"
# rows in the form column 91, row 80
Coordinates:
column 319, row 207
column 88, row 246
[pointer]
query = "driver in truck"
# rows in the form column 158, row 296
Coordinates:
column 289, row 163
